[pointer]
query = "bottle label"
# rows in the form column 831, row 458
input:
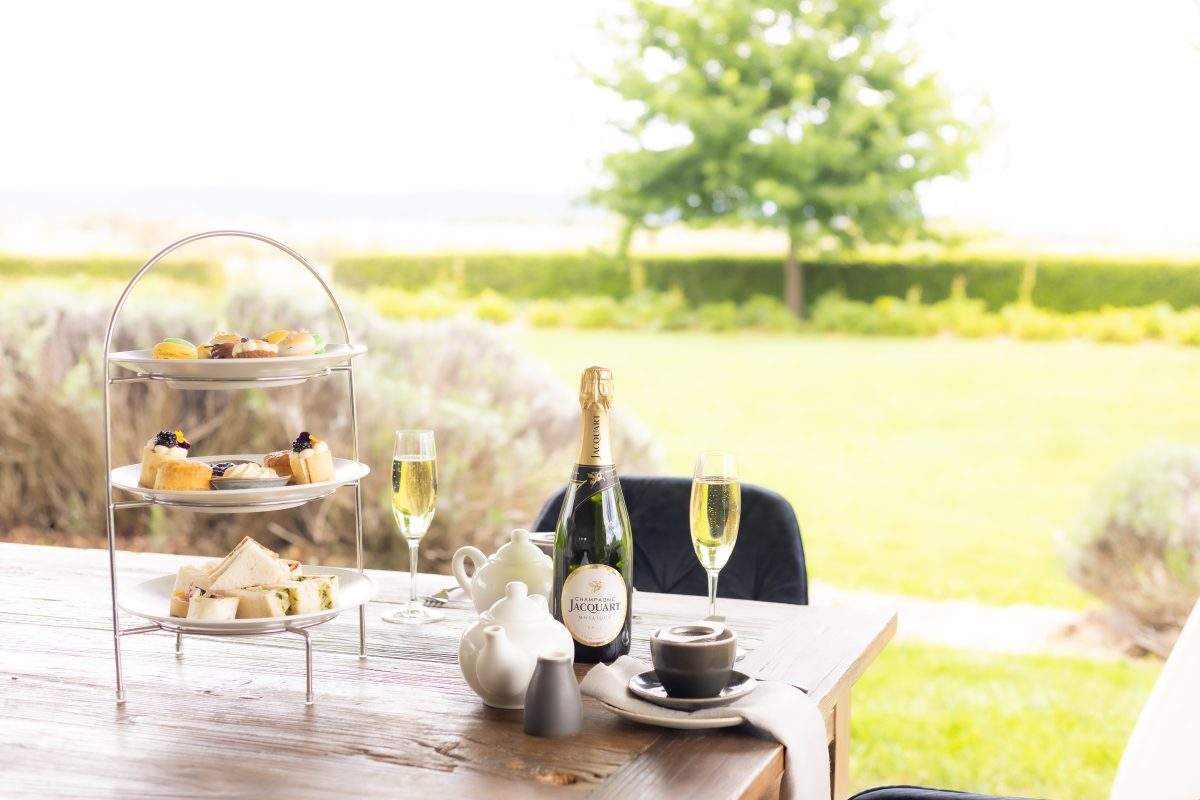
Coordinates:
column 594, row 599
column 592, row 481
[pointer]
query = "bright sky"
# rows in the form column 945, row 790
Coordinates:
column 1096, row 101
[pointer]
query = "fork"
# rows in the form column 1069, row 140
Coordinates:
column 441, row 597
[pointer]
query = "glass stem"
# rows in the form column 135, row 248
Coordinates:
column 413, row 544
column 712, row 592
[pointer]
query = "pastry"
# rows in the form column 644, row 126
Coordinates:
column 220, row 345
column 280, row 461
column 319, row 341
column 216, row 607
column 254, row 348
column 174, row 348
column 166, row 446
column 298, row 343
column 275, row 337
column 249, row 471
column 310, row 460
column 261, row 601
column 183, row 476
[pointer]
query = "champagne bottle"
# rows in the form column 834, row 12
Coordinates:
column 593, row 546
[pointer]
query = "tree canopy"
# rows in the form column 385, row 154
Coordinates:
column 812, row 117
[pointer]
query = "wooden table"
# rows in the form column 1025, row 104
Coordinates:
column 228, row 718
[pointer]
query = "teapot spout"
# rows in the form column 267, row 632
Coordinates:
column 502, row 668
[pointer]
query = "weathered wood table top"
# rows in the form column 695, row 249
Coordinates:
column 228, row 719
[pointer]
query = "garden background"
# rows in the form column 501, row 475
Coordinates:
column 953, row 418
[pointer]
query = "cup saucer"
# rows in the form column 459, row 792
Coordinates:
column 648, row 687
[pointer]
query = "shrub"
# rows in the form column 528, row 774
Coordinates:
column 767, row 313
column 833, row 313
column 718, row 316
column 1111, row 325
column 506, row 427
column 493, row 307
column 1184, row 327
column 1136, row 543
column 1028, row 322
column 595, row 312
column 668, row 311
column 547, row 314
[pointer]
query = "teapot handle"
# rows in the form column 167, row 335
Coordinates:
column 477, row 558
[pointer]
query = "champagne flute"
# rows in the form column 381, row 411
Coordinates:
column 716, row 511
column 414, row 495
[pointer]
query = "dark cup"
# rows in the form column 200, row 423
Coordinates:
column 694, row 669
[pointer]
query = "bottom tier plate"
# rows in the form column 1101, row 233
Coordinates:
column 152, row 600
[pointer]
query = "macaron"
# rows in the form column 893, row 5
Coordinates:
column 319, row 341
column 174, row 348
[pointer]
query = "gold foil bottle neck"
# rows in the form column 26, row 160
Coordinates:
column 596, row 387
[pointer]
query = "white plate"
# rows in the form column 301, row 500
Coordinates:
column 676, row 722
column 235, row 373
column 224, row 501
column 152, row 600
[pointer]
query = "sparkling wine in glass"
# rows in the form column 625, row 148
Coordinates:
column 414, row 498
column 716, row 511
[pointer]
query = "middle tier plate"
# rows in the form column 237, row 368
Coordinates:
column 227, row 501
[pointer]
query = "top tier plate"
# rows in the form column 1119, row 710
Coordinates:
column 235, row 373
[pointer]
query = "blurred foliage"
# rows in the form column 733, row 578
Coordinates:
column 506, row 427
column 1056, row 283
column 1136, row 544
column 995, row 723
column 91, row 268
column 958, row 315
column 812, row 118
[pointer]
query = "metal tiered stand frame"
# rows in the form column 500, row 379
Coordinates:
column 176, row 381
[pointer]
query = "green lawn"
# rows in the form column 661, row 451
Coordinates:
column 1021, row 725
column 928, row 467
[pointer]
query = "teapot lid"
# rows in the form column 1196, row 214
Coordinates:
column 518, row 606
column 519, row 550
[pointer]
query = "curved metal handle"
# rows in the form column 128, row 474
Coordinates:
column 161, row 254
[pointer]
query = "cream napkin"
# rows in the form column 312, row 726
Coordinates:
column 783, row 712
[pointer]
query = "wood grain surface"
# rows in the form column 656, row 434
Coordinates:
column 228, row 719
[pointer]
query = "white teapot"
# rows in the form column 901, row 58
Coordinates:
column 498, row 653
column 518, row 560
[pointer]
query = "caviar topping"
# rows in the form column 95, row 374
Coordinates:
column 304, row 441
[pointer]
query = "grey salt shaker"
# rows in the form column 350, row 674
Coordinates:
column 553, row 706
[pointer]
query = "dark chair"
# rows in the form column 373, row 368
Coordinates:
column 767, row 563
column 917, row 793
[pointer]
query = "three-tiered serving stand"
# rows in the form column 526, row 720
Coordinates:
column 276, row 377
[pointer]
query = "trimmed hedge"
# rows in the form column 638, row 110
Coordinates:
column 1062, row 283
column 191, row 271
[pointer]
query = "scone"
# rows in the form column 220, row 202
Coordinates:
column 166, row 446
column 280, row 461
column 184, row 476
column 310, row 460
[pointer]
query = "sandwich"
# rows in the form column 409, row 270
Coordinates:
column 304, row 597
column 261, row 601
column 250, row 564
column 327, row 586
column 215, row 607
column 188, row 577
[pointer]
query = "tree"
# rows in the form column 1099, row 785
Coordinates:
column 811, row 117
